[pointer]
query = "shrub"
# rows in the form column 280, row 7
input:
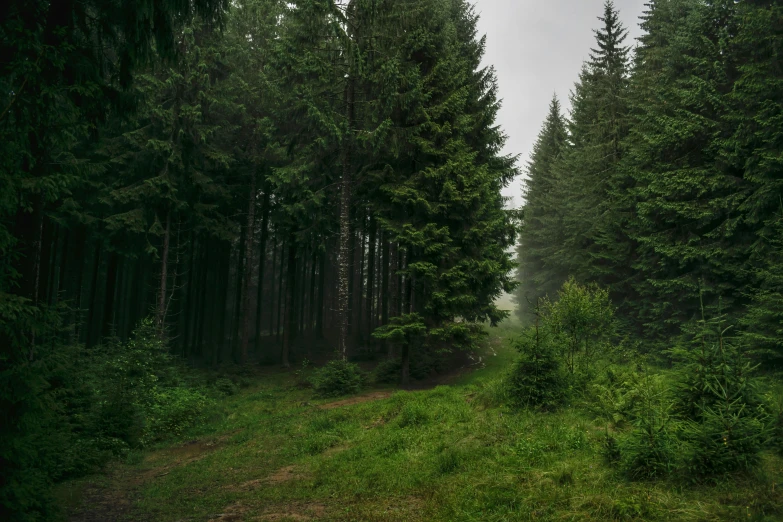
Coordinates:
column 338, row 377
column 226, row 386
column 725, row 440
column 173, row 411
column 582, row 320
column 773, row 403
column 536, row 378
column 387, row 372
column 727, row 425
column 652, row 448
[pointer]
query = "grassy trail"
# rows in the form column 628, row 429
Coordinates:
column 272, row 453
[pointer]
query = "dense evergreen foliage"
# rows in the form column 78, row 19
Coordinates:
column 259, row 177
column 667, row 184
column 211, row 184
column 663, row 186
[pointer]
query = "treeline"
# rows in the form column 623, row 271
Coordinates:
column 664, row 183
column 251, row 175
column 312, row 156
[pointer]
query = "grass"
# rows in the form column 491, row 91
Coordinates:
column 447, row 454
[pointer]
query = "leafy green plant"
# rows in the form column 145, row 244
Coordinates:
column 773, row 403
column 226, row 386
column 582, row 320
column 387, row 371
column 173, row 411
column 727, row 425
column 338, row 377
column 651, row 450
column 536, row 378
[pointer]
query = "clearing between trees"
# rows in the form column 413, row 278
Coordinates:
column 274, row 453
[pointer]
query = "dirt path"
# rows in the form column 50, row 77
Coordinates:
column 359, row 399
column 112, row 497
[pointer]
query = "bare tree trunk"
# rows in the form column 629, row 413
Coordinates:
column 368, row 320
column 251, row 214
column 357, row 317
column 160, row 316
column 394, row 290
column 384, row 297
column 280, row 294
column 262, row 264
column 311, row 306
column 343, row 277
column 288, row 328
column 272, row 304
column 319, row 317
column 405, row 372
column 37, row 248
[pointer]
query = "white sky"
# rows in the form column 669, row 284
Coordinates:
column 537, row 48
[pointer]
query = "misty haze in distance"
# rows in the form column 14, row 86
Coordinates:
column 537, row 49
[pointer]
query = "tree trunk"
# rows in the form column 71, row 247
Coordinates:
column 311, row 305
column 262, row 264
column 394, row 292
column 357, row 314
column 280, row 294
column 405, row 372
column 160, row 316
column 272, row 303
column 109, row 324
column 93, row 293
column 368, row 318
column 289, row 305
column 319, row 318
column 343, row 278
column 236, row 312
column 251, row 213
column 61, row 278
column 384, row 297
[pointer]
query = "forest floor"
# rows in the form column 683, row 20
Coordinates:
column 273, row 453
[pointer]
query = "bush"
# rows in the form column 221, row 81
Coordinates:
column 725, row 440
column 652, row 448
column 338, row 378
column 173, row 411
column 581, row 320
column 388, row 372
column 557, row 353
column 536, row 378
column 226, row 386
column 773, row 403
column 727, row 425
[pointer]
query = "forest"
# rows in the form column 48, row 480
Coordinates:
column 251, row 254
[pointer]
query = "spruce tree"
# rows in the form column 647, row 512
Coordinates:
column 756, row 147
column 444, row 203
column 685, row 196
column 541, row 228
column 585, row 174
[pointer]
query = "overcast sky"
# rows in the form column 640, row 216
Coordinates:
column 537, row 48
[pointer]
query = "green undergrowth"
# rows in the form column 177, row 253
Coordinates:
column 452, row 453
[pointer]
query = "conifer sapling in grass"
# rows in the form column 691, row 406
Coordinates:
column 726, row 423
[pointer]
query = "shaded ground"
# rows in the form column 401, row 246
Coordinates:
column 112, row 498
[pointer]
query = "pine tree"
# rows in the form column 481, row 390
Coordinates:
column 584, row 176
column 542, row 226
column 444, row 203
column 685, row 196
column 756, row 148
